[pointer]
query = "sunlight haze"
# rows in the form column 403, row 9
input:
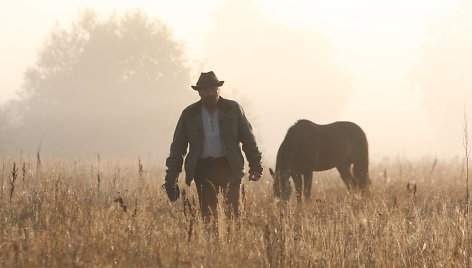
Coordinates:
column 400, row 69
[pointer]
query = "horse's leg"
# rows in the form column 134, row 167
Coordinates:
column 361, row 174
column 297, row 180
column 308, row 179
column 346, row 175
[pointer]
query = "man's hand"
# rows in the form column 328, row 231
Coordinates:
column 171, row 181
column 254, row 176
column 172, row 189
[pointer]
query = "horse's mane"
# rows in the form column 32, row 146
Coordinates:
column 291, row 143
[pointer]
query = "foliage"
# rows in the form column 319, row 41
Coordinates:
column 114, row 85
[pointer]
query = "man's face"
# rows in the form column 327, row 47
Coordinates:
column 209, row 95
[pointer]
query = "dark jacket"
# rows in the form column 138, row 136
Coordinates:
column 234, row 129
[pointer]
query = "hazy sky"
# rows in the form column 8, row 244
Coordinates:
column 285, row 57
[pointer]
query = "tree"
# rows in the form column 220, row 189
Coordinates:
column 108, row 86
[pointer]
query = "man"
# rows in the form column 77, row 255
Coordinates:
column 213, row 128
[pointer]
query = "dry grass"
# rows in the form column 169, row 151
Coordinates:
column 102, row 213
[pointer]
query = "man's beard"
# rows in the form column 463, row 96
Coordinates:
column 210, row 101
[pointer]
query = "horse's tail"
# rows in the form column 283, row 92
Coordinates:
column 361, row 159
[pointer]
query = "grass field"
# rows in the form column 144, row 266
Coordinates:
column 103, row 213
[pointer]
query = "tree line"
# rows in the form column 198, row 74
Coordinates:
column 114, row 86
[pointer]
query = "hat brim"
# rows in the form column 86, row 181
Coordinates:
column 218, row 84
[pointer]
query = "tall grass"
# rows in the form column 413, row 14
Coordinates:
column 467, row 151
column 60, row 216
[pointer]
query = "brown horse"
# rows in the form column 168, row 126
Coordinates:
column 309, row 147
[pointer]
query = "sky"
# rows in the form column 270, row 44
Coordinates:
column 382, row 64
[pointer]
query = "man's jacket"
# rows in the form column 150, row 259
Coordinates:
column 235, row 129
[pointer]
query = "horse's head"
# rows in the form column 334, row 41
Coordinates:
column 282, row 188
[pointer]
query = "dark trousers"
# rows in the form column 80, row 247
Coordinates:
column 213, row 176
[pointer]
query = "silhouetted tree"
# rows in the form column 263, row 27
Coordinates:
column 113, row 86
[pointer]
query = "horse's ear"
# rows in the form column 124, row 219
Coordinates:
column 272, row 173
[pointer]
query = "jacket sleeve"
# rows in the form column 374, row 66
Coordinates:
column 178, row 150
column 248, row 140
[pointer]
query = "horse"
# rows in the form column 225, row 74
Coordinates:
column 309, row 147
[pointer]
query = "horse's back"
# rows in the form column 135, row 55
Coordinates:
column 325, row 146
column 344, row 126
column 343, row 135
column 333, row 132
column 307, row 132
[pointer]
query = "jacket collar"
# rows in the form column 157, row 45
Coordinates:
column 222, row 107
column 196, row 112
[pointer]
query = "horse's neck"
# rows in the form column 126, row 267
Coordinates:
column 284, row 157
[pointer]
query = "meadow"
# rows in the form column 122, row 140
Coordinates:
column 65, row 212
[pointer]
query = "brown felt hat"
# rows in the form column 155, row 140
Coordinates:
column 207, row 80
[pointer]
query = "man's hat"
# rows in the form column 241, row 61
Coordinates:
column 207, row 80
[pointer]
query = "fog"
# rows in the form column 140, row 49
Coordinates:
column 400, row 70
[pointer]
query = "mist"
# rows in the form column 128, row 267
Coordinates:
column 444, row 76
column 286, row 74
column 399, row 70
column 405, row 81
